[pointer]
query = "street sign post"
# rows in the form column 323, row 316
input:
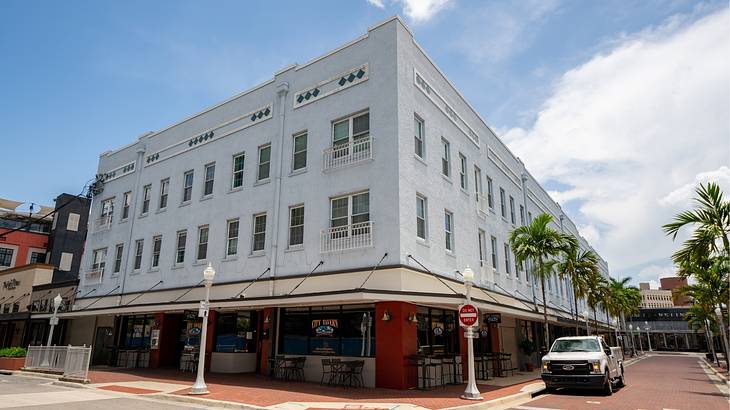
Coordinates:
column 468, row 315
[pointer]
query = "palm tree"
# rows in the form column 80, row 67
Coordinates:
column 540, row 243
column 617, row 299
column 577, row 264
column 597, row 291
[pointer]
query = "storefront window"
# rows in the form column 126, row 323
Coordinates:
column 438, row 333
column 137, row 331
column 236, row 332
column 328, row 331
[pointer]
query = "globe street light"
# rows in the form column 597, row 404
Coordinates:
column 585, row 316
column 200, row 387
column 631, row 333
column 718, row 313
column 471, row 392
column 647, row 334
column 53, row 321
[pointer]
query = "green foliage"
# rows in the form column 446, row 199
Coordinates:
column 12, row 352
column 528, row 347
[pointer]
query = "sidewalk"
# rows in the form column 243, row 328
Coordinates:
column 255, row 391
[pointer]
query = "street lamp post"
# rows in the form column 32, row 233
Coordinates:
column 585, row 316
column 641, row 345
column 718, row 313
column 710, row 341
column 648, row 337
column 200, row 387
column 631, row 335
column 53, row 321
column 471, row 392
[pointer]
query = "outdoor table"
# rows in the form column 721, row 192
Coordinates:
column 275, row 365
column 350, row 369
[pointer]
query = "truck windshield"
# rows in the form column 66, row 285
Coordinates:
column 576, row 345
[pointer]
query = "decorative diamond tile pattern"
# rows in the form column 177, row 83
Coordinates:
column 261, row 114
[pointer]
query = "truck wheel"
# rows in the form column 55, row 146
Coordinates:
column 608, row 385
column 621, row 379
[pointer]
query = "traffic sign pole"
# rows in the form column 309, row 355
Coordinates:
column 469, row 318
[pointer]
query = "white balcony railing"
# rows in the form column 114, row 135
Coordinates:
column 482, row 204
column 347, row 237
column 95, row 274
column 347, row 154
column 104, row 223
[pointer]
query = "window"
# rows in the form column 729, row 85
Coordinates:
column 351, row 130
column 66, row 261
column 419, row 137
column 446, row 158
column 350, row 210
column 146, row 193
column 237, row 180
column 421, row 212
column 232, row 238
column 507, row 263
column 136, row 331
column 107, row 209
column 126, row 201
column 259, row 232
column 209, row 179
column 264, row 162
column 437, row 331
column 482, row 247
column 502, row 203
column 156, row 248
column 37, row 257
column 512, row 209
column 522, row 215
column 164, row 187
column 463, row 180
column 494, row 252
column 518, row 268
column 182, row 237
column 477, row 181
column 236, row 332
column 73, row 221
column 490, row 193
column 138, row 248
column 118, row 258
column 299, row 160
column 449, row 230
column 98, row 259
column 202, row 243
column 187, row 186
column 296, row 226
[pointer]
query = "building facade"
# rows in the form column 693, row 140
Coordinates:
column 675, row 285
column 655, row 298
column 338, row 202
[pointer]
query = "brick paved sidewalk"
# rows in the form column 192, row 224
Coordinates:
column 260, row 391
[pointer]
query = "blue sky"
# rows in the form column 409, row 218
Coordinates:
column 81, row 77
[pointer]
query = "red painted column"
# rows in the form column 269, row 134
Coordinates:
column 210, row 338
column 463, row 349
column 266, row 335
column 395, row 340
column 155, row 354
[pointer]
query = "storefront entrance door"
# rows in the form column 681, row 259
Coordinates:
column 103, row 343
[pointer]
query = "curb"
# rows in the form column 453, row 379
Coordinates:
column 75, row 385
column 203, row 401
column 526, row 394
column 723, row 376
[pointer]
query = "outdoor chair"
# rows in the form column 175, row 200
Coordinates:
column 330, row 371
column 451, row 370
column 505, row 364
column 352, row 373
column 294, row 368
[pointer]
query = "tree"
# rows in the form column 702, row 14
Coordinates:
column 541, row 244
column 577, row 265
column 597, row 291
column 621, row 300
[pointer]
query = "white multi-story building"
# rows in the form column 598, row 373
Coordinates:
column 337, row 203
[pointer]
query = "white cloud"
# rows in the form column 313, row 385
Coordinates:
column 590, row 233
column 417, row 11
column 628, row 128
column 683, row 194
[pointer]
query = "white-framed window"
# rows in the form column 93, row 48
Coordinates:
column 118, row 252
column 209, row 175
column 232, row 237
column 107, row 208
column 126, row 203
column 482, row 242
column 463, row 180
column 67, row 259
column 98, row 259
column 445, row 157
column 503, row 203
column 494, row 252
column 351, row 129
column 421, row 217
column 522, row 215
column 296, row 225
column 512, row 217
column 490, row 192
column 182, row 238
column 156, row 249
column 138, row 249
column 238, row 163
column 449, row 230
column 350, row 209
column 258, row 242
column 73, row 221
column 419, row 139
column 36, row 256
column 146, row 194
column 164, row 188
column 264, row 168
column 518, row 268
column 299, row 151
column 477, row 181
column 507, row 263
column 188, row 186
column 202, row 243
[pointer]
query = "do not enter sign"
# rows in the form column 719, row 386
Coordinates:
column 468, row 315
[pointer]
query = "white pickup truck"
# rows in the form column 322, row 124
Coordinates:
column 583, row 362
